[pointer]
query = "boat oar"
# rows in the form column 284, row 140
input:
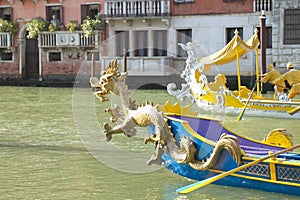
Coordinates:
column 246, row 104
column 294, row 110
column 200, row 184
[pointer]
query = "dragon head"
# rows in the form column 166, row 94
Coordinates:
column 107, row 83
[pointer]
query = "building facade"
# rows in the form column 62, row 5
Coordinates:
column 52, row 55
column 148, row 32
column 286, row 33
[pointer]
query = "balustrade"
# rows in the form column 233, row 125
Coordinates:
column 260, row 5
column 136, row 8
column 68, row 39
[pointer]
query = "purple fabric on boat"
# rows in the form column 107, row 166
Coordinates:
column 212, row 130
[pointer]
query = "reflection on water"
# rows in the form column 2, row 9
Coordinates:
column 43, row 157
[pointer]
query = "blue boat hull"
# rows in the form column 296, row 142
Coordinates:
column 186, row 171
column 260, row 177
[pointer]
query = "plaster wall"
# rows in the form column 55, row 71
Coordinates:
column 30, row 9
column 209, row 35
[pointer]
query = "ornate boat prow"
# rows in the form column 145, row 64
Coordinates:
column 186, row 146
column 215, row 96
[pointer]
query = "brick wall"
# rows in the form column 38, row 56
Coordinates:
column 212, row 7
column 10, row 69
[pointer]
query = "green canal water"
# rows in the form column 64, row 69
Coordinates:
column 52, row 147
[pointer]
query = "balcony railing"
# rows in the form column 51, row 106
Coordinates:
column 260, row 5
column 147, row 66
column 136, row 8
column 68, row 39
column 5, row 40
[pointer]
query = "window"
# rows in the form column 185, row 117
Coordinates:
column 122, row 42
column 6, row 55
column 6, row 13
column 96, row 55
column 160, row 43
column 183, row 36
column 141, row 41
column 54, row 10
column 291, row 26
column 230, row 33
column 54, row 56
column 90, row 10
column 184, row 1
column 268, row 36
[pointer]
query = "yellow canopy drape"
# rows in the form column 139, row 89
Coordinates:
column 229, row 52
column 232, row 52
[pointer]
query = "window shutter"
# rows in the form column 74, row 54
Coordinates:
column 11, row 14
column 84, row 12
column 48, row 13
column 61, row 14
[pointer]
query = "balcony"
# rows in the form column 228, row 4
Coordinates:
column 136, row 8
column 148, row 66
column 6, row 40
column 68, row 39
column 260, row 5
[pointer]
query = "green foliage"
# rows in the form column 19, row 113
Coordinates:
column 35, row 26
column 53, row 27
column 98, row 22
column 72, row 25
column 9, row 27
column 90, row 25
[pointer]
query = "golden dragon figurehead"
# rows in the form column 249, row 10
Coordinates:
column 108, row 81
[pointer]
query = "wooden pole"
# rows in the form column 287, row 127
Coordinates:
column 246, row 104
column 257, row 72
column 238, row 61
column 93, row 65
column 238, row 70
column 263, row 44
column 125, row 61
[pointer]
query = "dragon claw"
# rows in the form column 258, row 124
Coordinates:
column 112, row 119
column 106, row 127
column 107, row 130
column 152, row 138
column 108, row 137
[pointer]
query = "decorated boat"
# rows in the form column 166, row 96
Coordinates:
column 181, row 146
column 212, row 129
column 214, row 95
column 263, row 172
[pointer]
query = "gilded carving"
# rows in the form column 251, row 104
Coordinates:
column 132, row 115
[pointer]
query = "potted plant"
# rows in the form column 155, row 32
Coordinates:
column 54, row 27
column 9, row 27
column 98, row 22
column 35, row 26
column 72, row 25
column 90, row 25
